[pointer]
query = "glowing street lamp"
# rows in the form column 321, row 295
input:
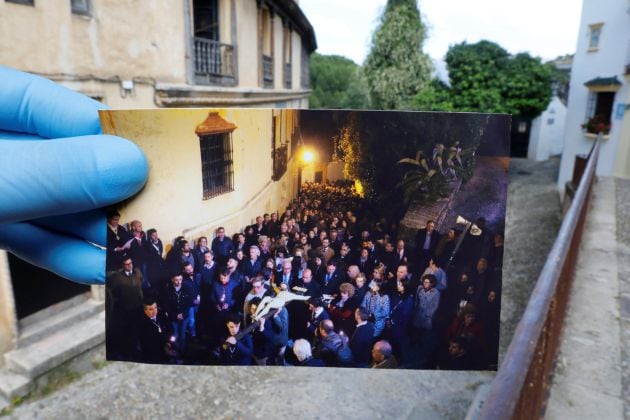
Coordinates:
column 308, row 156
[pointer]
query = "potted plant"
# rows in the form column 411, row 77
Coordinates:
column 596, row 124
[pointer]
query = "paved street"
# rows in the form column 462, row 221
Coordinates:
column 592, row 377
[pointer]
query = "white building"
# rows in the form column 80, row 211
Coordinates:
column 547, row 132
column 600, row 80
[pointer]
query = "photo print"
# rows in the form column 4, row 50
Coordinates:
column 310, row 238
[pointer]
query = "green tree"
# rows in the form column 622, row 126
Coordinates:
column 436, row 96
column 485, row 78
column 337, row 83
column 396, row 68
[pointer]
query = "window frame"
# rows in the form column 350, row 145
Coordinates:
column 594, row 33
column 83, row 11
column 217, row 164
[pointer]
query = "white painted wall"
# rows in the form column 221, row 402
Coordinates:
column 609, row 60
column 547, row 132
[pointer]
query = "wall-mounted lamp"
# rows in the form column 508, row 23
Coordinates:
column 127, row 88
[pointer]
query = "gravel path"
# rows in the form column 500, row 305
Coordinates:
column 122, row 390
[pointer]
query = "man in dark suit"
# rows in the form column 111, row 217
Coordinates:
column 259, row 228
column 365, row 262
column 199, row 251
column 236, row 351
column 332, row 279
column 125, row 289
column 361, row 340
column 222, row 246
column 253, row 265
column 287, row 277
column 313, row 289
column 117, row 236
column 177, row 299
column 345, row 258
column 209, row 275
column 153, row 334
column 427, row 240
column 402, row 255
column 156, row 267
column 318, row 314
column 192, row 281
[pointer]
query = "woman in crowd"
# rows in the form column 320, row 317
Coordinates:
column 377, row 305
column 341, row 309
column 399, row 322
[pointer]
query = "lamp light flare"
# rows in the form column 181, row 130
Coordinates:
column 308, row 156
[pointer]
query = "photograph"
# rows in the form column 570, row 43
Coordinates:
column 328, row 238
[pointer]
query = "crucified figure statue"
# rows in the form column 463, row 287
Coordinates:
column 282, row 298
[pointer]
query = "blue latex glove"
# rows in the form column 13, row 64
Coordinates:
column 56, row 172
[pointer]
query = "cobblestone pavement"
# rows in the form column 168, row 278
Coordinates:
column 122, row 390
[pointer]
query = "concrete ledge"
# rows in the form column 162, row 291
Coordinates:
column 59, row 321
column 52, row 310
column 587, row 379
column 13, row 385
column 61, row 346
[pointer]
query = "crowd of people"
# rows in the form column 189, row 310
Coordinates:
column 337, row 287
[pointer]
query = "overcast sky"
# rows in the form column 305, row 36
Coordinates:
column 544, row 28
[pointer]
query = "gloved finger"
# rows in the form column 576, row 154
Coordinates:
column 88, row 225
column 33, row 104
column 68, row 257
column 71, row 175
column 12, row 135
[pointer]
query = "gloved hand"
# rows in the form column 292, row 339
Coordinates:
column 56, row 172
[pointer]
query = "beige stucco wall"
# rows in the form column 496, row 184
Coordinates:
column 247, row 40
column 145, row 42
column 120, row 39
column 172, row 199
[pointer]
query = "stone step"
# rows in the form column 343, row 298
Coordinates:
column 57, row 348
column 52, row 310
column 54, row 322
column 4, row 403
column 13, row 385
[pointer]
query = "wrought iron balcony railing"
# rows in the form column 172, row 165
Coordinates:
column 287, row 76
column 214, row 62
column 267, row 62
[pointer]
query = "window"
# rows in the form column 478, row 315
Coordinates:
column 25, row 2
column 213, row 60
column 305, row 75
column 266, row 45
column 598, row 111
column 287, row 57
column 595, row 32
column 206, row 19
column 80, row 7
column 599, row 108
column 215, row 143
column 550, row 121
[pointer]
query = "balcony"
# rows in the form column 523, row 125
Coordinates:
column 287, row 76
column 267, row 62
column 280, row 159
column 214, row 62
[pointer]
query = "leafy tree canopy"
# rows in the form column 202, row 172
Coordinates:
column 484, row 77
column 396, row 68
column 337, row 83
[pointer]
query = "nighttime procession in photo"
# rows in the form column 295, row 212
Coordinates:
column 310, row 238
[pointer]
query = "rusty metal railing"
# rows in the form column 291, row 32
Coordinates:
column 521, row 387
